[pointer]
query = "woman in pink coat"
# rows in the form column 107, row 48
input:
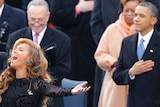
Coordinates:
column 107, row 53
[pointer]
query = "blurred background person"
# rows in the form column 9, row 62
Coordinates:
column 104, row 13
column 22, row 4
column 11, row 20
column 73, row 18
column 157, row 4
column 107, row 53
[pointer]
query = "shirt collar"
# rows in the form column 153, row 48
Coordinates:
column 1, row 9
column 41, row 33
column 146, row 37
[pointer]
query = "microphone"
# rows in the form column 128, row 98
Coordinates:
column 4, row 31
column 29, row 89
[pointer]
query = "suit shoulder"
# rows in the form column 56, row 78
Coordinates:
column 131, row 36
column 59, row 33
column 19, row 31
column 130, row 39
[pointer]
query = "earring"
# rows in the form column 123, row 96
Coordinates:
column 27, row 62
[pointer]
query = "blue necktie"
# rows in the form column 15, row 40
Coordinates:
column 140, row 49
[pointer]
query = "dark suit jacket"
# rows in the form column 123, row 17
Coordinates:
column 16, row 19
column 144, row 90
column 56, row 46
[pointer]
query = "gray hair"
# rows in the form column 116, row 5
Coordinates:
column 38, row 3
column 152, row 8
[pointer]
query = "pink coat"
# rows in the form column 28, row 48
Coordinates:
column 106, row 55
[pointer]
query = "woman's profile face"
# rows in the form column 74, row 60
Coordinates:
column 19, row 56
column 128, row 11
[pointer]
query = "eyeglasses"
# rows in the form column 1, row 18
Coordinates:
column 34, row 21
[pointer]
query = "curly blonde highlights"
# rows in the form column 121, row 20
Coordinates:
column 36, row 69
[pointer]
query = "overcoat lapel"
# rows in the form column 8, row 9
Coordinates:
column 47, row 39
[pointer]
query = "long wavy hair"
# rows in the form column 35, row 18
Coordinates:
column 36, row 69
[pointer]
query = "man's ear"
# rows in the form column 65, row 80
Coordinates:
column 154, row 20
column 48, row 16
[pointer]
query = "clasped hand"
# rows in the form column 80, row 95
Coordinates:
column 85, row 6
